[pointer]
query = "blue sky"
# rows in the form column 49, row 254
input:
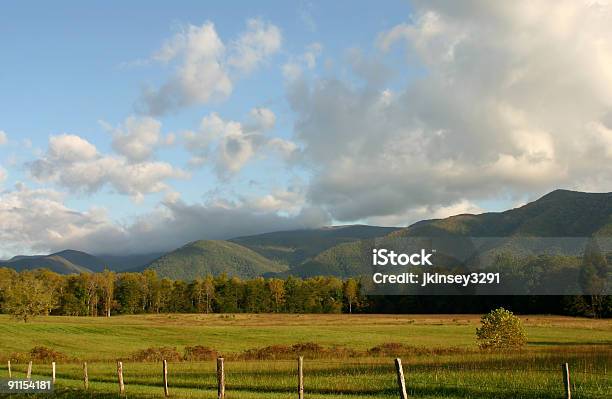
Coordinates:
column 69, row 65
column 138, row 126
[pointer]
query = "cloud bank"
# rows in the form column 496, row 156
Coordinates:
column 513, row 99
column 37, row 220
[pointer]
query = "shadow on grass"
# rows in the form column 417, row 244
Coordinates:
column 422, row 391
column 479, row 393
column 571, row 343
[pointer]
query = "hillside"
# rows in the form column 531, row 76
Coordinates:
column 121, row 263
column 70, row 261
column 561, row 213
column 200, row 258
column 296, row 246
column 82, row 259
column 53, row 262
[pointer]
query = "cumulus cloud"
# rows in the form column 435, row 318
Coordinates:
column 512, row 101
column 200, row 75
column 37, row 221
column 3, row 137
column 254, row 46
column 76, row 164
column 137, row 138
column 3, row 174
column 263, row 118
column 205, row 68
column 229, row 145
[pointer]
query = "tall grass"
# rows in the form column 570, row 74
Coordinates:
column 439, row 353
column 471, row 375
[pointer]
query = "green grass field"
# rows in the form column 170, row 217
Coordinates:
column 456, row 370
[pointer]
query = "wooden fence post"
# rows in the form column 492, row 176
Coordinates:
column 165, row 367
column 220, row 379
column 401, row 382
column 85, row 376
column 53, row 372
column 29, row 372
column 566, row 380
column 120, row 377
column 300, row 377
column 8, row 363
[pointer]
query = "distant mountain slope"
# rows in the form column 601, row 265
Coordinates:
column 295, row 246
column 343, row 260
column 54, row 263
column 199, row 258
column 128, row 262
column 561, row 213
column 70, row 261
column 82, row 259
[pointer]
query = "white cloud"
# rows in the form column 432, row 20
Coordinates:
column 264, row 118
column 205, row 67
column 512, row 101
column 3, row 174
column 35, row 221
column 68, row 148
column 293, row 69
column 137, row 138
column 286, row 201
column 286, row 148
column 76, row 164
column 254, row 46
column 200, row 75
column 229, row 145
column 426, row 212
column 3, row 137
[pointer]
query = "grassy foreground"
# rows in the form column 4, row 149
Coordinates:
column 458, row 371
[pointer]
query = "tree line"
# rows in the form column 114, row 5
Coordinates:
column 42, row 292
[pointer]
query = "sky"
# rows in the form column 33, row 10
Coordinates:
column 134, row 127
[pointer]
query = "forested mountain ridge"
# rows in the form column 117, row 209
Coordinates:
column 213, row 257
column 54, row 262
column 70, row 261
column 338, row 250
column 296, row 246
column 561, row 213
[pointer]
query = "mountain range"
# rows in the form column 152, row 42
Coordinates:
column 336, row 250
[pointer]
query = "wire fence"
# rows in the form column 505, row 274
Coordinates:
column 412, row 380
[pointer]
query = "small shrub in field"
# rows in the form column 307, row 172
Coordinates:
column 199, row 352
column 268, row 352
column 307, row 347
column 37, row 354
column 388, row 349
column 46, row 354
column 500, row 329
column 156, row 354
column 398, row 349
column 19, row 357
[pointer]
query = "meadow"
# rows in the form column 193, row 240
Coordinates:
column 439, row 352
